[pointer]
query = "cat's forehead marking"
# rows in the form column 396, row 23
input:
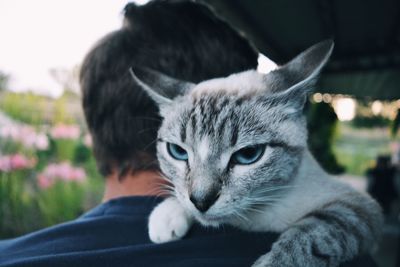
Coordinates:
column 204, row 148
column 210, row 115
column 240, row 83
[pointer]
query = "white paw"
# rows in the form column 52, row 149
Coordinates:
column 168, row 221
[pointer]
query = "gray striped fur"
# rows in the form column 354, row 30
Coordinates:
column 322, row 221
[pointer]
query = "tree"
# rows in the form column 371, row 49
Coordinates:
column 67, row 78
column 322, row 122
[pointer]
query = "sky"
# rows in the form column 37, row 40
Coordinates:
column 36, row 36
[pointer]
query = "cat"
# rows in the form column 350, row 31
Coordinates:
column 235, row 151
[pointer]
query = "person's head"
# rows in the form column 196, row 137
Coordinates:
column 182, row 39
column 383, row 161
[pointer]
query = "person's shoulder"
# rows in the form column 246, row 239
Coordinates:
column 115, row 234
column 97, row 230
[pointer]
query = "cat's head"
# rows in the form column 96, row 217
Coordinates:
column 231, row 144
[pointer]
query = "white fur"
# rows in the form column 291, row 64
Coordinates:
column 236, row 83
column 312, row 188
column 168, row 222
column 204, row 148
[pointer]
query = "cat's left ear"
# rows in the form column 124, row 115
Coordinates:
column 291, row 83
column 160, row 87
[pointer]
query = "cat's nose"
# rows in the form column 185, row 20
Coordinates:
column 204, row 201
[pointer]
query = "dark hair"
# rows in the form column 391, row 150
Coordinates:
column 182, row 39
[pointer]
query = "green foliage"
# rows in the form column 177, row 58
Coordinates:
column 3, row 81
column 25, row 206
column 322, row 124
column 395, row 124
column 28, row 108
column 357, row 148
column 374, row 121
column 61, row 114
column 37, row 110
column 18, row 213
column 65, row 149
column 61, row 202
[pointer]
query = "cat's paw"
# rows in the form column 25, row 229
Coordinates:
column 298, row 247
column 168, row 222
column 264, row 261
column 274, row 259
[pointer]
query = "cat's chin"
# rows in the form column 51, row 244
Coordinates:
column 211, row 220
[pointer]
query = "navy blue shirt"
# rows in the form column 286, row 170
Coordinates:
column 115, row 234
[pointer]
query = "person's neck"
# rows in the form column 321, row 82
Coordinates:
column 143, row 183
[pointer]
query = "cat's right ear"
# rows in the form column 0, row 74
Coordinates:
column 291, row 83
column 160, row 87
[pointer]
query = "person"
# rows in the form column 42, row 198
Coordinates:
column 381, row 183
column 184, row 40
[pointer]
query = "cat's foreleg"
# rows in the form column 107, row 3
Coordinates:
column 169, row 221
column 333, row 234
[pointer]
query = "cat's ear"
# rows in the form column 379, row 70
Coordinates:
column 160, row 87
column 292, row 82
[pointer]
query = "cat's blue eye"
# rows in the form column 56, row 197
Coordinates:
column 177, row 152
column 248, row 155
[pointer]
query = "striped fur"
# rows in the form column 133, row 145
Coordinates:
column 323, row 221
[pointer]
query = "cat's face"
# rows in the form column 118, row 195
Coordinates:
column 232, row 144
column 227, row 152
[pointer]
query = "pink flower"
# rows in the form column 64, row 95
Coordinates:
column 16, row 162
column 42, row 142
column 25, row 135
column 44, row 182
column 19, row 161
column 63, row 131
column 61, row 171
column 9, row 132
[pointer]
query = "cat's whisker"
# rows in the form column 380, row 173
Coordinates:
column 147, row 129
column 160, row 188
column 152, row 162
column 150, row 144
column 253, row 209
column 163, row 176
column 240, row 216
column 163, row 184
column 262, row 200
column 273, row 189
column 264, row 197
column 166, row 186
column 148, row 118
column 168, row 192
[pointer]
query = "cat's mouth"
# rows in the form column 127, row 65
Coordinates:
column 212, row 220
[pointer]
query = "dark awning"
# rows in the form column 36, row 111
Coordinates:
column 366, row 59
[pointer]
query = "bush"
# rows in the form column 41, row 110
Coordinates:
column 370, row 121
column 322, row 126
column 38, row 110
column 47, row 176
column 3, row 81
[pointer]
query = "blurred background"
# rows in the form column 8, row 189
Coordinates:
column 47, row 172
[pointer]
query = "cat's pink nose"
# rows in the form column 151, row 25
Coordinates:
column 204, row 201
